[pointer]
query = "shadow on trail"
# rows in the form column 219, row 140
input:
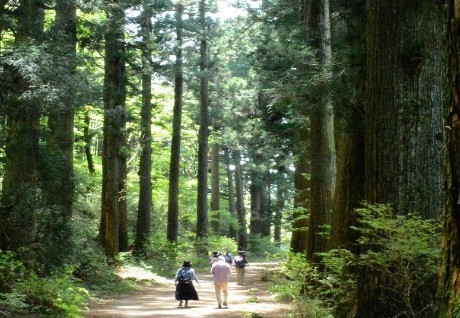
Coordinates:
column 157, row 300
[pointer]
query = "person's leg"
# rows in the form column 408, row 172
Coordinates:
column 238, row 275
column 217, row 289
column 225, row 293
column 242, row 276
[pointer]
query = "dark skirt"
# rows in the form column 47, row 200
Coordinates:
column 186, row 291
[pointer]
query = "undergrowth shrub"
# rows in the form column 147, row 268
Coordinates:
column 297, row 282
column 11, row 270
column 401, row 249
column 59, row 295
column 404, row 250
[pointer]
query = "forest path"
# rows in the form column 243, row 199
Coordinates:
column 157, row 299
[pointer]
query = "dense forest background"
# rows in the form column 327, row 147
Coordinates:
column 322, row 133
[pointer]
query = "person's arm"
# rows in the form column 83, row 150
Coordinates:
column 176, row 278
column 195, row 277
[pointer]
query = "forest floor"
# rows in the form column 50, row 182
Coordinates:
column 156, row 299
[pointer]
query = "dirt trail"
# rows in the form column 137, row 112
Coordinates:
column 157, row 300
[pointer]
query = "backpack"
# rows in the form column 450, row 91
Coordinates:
column 228, row 258
column 185, row 275
column 240, row 263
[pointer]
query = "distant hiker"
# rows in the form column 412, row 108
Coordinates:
column 221, row 272
column 240, row 262
column 228, row 258
column 214, row 257
column 184, row 284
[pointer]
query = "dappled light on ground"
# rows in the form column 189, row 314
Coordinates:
column 157, row 300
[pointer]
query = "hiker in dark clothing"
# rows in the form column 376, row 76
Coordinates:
column 185, row 290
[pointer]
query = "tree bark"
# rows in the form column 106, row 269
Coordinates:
column 57, row 176
column 349, row 190
column 174, row 168
column 323, row 165
column 20, row 178
column 203, row 134
column 215, row 188
column 232, row 231
column 114, row 124
column 278, row 217
column 299, row 237
column 240, row 208
column 144, row 208
column 448, row 289
column 88, row 137
column 403, row 123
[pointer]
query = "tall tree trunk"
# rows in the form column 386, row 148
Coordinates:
column 144, row 208
column 260, row 221
column 114, row 124
column 59, row 188
column 174, row 168
column 203, row 134
column 323, row 170
column 266, row 221
column 240, row 208
column 232, row 232
column 349, row 190
column 61, row 119
column 20, row 178
column 299, row 237
column 256, row 193
column 350, row 180
column 123, row 244
column 88, row 137
column 448, row 288
column 215, row 188
column 403, row 123
column 278, row 218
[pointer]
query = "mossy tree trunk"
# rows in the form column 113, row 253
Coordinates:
column 448, row 289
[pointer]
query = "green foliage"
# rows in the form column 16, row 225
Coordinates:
column 299, row 283
column 59, row 294
column 96, row 274
column 13, row 303
column 23, row 291
column 337, row 285
column 222, row 244
column 264, row 247
column 11, row 270
column 291, row 277
column 401, row 248
column 405, row 250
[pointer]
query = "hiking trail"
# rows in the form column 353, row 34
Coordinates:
column 156, row 299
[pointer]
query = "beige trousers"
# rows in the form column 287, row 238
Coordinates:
column 240, row 273
column 221, row 292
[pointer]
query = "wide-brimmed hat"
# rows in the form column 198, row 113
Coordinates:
column 186, row 264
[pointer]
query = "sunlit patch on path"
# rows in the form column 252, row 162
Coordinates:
column 157, row 300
